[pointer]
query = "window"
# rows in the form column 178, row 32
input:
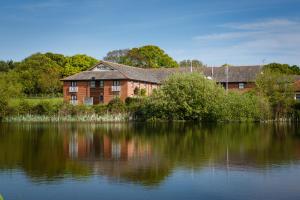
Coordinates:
column 241, row 85
column 101, row 99
column 101, row 84
column 73, row 97
column 297, row 96
column 116, row 83
column 93, row 84
column 73, row 83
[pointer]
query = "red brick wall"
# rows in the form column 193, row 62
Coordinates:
column 142, row 85
column 84, row 90
column 235, row 86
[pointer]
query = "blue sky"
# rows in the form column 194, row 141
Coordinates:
column 238, row 32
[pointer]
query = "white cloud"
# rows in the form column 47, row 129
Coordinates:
column 270, row 24
column 274, row 40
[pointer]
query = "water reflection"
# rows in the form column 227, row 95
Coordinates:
column 143, row 153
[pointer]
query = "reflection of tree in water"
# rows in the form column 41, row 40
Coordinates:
column 141, row 153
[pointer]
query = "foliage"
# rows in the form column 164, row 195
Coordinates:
column 137, row 91
column 9, row 87
column 191, row 96
column 186, row 97
column 39, row 74
column 116, row 105
column 117, row 56
column 78, row 63
column 245, row 107
column 100, row 109
column 282, row 68
column 278, row 89
column 145, row 56
column 143, row 92
column 5, row 66
column 187, row 63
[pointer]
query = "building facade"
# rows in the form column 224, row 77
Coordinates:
column 106, row 81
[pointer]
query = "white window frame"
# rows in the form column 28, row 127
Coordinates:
column 241, row 85
column 74, row 97
column 73, row 84
column 93, row 84
column 116, row 83
column 101, row 83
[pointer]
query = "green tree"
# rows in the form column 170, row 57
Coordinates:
column 9, row 88
column 117, row 56
column 150, row 56
column 60, row 59
column 187, row 96
column 282, row 68
column 5, row 66
column 187, row 63
column 39, row 75
column 145, row 56
column 78, row 63
column 278, row 89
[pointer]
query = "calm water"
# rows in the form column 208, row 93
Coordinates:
column 147, row 161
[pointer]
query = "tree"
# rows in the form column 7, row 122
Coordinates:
column 150, row 56
column 146, row 56
column 187, row 63
column 117, row 56
column 60, row 59
column 5, row 66
column 187, row 96
column 278, row 89
column 78, row 63
column 282, row 68
column 9, row 88
column 39, row 75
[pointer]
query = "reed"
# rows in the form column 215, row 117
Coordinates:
column 120, row 117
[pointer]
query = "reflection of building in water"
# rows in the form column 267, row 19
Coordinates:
column 93, row 146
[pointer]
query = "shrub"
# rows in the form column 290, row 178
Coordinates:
column 136, row 91
column 143, row 92
column 24, row 107
column 116, row 105
column 245, row 107
column 42, row 108
column 3, row 107
column 187, row 96
column 100, row 109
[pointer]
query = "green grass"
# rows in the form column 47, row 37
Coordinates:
column 35, row 101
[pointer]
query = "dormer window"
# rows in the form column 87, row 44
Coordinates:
column 101, row 67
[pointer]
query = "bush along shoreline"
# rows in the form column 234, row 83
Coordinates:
column 184, row 97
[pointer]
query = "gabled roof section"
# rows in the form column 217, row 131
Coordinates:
column 235, row 73
column 219, row 74
column 114, row 71
column 132, row 73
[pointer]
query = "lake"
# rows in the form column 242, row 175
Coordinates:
column 149, row 161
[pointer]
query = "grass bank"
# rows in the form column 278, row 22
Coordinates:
column 121, row 117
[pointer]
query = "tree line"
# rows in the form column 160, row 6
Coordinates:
column 40, row 74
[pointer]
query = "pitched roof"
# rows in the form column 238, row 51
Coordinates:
column 235, row 73
column 157, row 75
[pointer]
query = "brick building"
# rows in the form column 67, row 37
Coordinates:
column 107, row 80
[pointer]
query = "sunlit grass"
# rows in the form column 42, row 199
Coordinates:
column 35, row 101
